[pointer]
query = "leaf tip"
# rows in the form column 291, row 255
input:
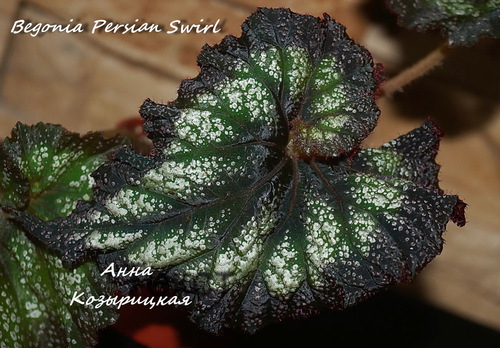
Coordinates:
column 458, row 213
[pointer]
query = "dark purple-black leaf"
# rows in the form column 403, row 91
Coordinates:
column 256, row 201
column 463, row 22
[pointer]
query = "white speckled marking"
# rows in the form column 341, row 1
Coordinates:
column 285, row 274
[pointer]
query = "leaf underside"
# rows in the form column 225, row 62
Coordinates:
column 256, row 202
column 44, row 170
column 463, row 22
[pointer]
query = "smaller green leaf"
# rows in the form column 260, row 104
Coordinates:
column 55, row 164
column 45, row 170
column 462, row 21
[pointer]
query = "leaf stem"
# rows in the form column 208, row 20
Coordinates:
column 420, row 68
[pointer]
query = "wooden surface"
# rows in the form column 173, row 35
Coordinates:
column 90, row 82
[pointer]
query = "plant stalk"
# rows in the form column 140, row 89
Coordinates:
column 420, row 68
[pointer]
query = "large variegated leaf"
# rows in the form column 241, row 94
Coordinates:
column 462, row 21
column 44, row 170
column 256, row 202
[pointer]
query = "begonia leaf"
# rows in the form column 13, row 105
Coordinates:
column 257, row 201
